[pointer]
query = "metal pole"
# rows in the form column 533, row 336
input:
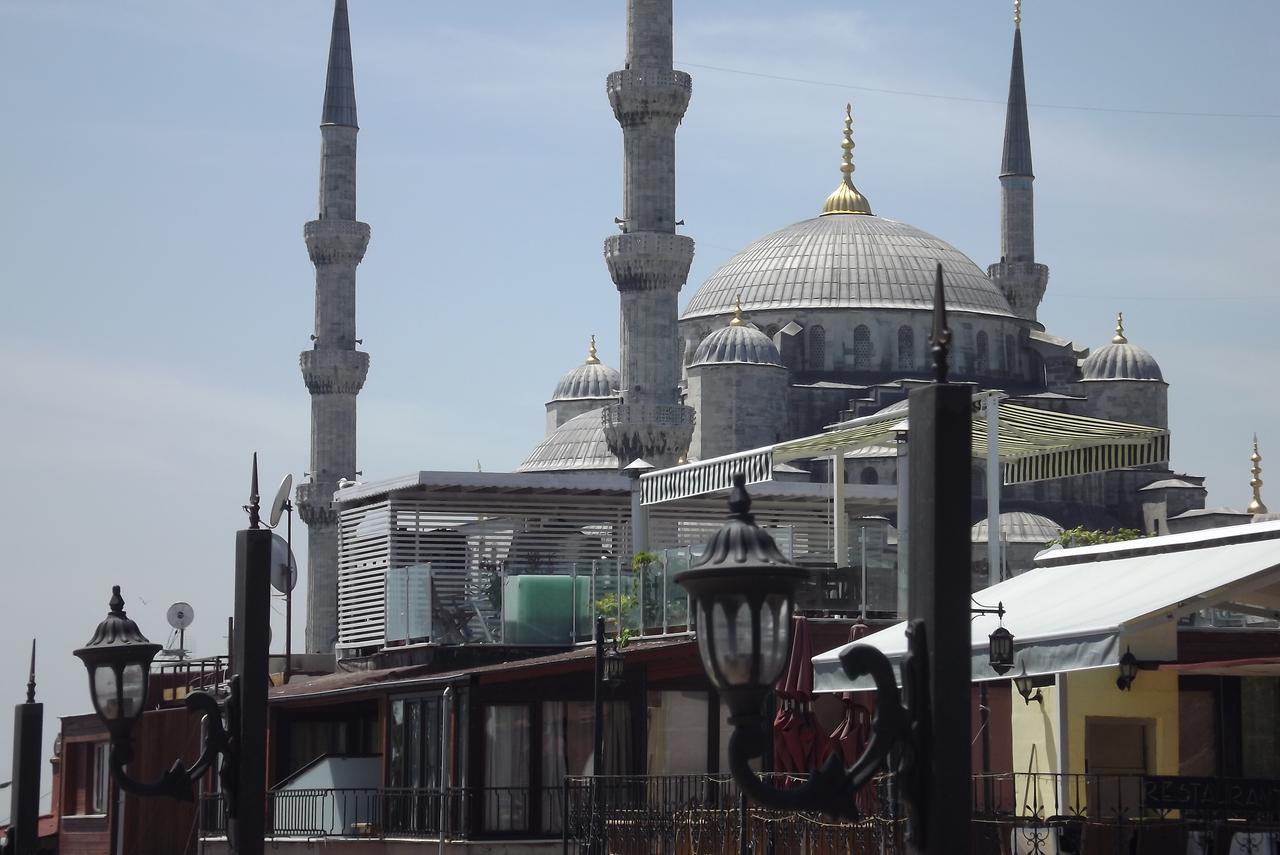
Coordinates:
column 904, row 523
column 597, row 756
column 984, row 710
column 288, row 594
column 24, row 797
column 446, row 702
column 941, row 428
column 862, row 544
column 246, row 828
column 995, row 532
column 840, row 544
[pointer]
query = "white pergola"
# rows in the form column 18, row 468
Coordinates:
column 1020, row 444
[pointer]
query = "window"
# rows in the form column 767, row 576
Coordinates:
column 100, row 777
column 677, row 733
column 817, row 340
column 980, row 358
column 862, row 347
column 869, row 475
column 566, row 750
column 413, row 734
column 506, row 767
column 906, row 348
column 1010, row 364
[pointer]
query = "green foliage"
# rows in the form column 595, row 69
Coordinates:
column 613, row 608
column 1081, row 536
column 641, row 561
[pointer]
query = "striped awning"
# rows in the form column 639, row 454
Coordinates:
column 1034, row 445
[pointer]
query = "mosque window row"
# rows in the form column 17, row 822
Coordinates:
column 862, row 348
column 816, row 338
column 980, row 362
column 906, row 348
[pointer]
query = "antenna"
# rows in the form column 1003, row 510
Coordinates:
column 279, row 502
column 181, row 616
column 284, row 569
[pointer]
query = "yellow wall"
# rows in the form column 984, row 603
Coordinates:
column 1036, row 727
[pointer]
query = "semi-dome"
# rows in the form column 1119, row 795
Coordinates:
column 577, row 445
column 740, row 342
column 591, row 379
column 1120, row 360
column 1019, row 527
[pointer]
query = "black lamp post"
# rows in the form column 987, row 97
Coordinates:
column 118, row 661
column 743, row 590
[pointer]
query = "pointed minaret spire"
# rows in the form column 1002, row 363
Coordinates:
column 1020, row 278
column 333, row 369
column 31, row 678
column 1256, row 506
column 846, row 199
column 340, row 86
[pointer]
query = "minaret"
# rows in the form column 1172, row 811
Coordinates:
column 649, row 262
column 1017, row 274
column 333, row 369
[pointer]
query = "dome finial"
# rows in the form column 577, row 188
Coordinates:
column 1017, row 14
column 737, row 312
column 1119, row 338
column 592, row 357
column 1256, row 506
column 846, row 199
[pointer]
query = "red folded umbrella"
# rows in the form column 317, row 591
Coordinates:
column 853, row 732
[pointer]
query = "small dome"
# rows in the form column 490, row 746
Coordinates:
column 577, row 445
column 1020, row 527
column 739, row 342
column 1120, row 360
column 591, row 379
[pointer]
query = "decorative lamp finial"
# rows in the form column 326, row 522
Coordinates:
column 592, row 357
column 1017, row 14
column 31, row 678
column 940, row 338
column 737, row 320
column 252, row 507
column 1256, row 506
column 1119, row 338
column 846, row 199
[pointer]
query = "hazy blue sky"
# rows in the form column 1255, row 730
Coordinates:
column 160, row 158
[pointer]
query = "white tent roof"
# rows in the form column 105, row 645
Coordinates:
column 1081, row 608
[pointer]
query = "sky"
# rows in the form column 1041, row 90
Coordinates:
column 161, row 156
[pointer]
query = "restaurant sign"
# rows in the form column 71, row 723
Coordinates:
column 1229, row 796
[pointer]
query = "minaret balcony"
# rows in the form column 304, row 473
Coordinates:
column 641, row 95
column 315, row 504
column 658, row 433
column 332, row 241
column 648, row 261
column 328, row 372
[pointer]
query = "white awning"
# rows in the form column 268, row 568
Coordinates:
column 1082, row 608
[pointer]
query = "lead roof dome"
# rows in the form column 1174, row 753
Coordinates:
column 740, row 343
column 847, row 261
column 591, row 379
column 1120, row 360
column 578, row 444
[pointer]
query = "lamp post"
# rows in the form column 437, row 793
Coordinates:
column 118, row 661
column 744, row 592
column 24, row 804
column 608, row 675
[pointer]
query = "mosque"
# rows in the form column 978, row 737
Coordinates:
column 818, row 323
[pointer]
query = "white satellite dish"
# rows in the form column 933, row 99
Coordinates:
column 180, row 615
column 284, row 569
column 277, row 504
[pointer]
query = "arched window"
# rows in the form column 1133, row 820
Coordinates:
column 862, row 348
column 906, row 348
column 980, row 358
column 816, row 338
column 869, row 476
column 1010, row 363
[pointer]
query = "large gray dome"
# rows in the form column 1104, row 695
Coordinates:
column 1018, row 527
column 854, row 261
column 738, row 343
column 1120, row 360
column 577, row 445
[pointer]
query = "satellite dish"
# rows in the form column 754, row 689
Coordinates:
column 180, row 615
column 284, row 569
column 282, row 496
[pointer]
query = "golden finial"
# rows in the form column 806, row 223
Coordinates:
column 1256, row 506
column 592, row 358
column 1119, row 338
column 737, row 320
column 1017, row 14
column 846, row 199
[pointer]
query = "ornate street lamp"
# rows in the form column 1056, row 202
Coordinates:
column 118, row 659
column 1024, row 684
column 1000, row 650
column 613, row 665
column 743, row 591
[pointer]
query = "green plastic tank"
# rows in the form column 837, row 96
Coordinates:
column 540, row 609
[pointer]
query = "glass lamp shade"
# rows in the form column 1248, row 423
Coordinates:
column 1000, row 650
column 613, row 667
column 118, row 659
column 1023, row 684
column 743, row 592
